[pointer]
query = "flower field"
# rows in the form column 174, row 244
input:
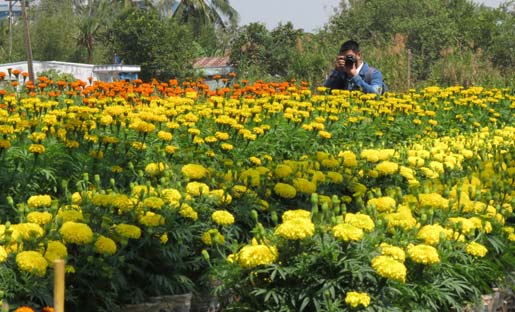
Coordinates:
column 271, row 196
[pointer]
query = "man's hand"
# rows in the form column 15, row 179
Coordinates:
column 351, row 70
column 340, row 63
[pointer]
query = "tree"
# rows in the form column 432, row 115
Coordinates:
column 207, row 12
column 52, row 26
column 163, row 48
column 92, row 18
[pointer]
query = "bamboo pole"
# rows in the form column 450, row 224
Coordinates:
column 59, row 285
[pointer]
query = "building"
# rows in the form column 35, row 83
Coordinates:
column 211, row 66
column 108, row 73
column 9, row 8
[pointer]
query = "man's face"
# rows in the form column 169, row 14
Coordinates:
column 353, row 55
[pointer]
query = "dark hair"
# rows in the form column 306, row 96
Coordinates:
column 349, row 45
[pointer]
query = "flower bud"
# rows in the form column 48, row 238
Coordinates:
column 254, row 215
column 274, row 217
column 314, row 198
column 205, row 254
column 10, row 201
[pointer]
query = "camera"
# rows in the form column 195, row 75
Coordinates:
column 350, row 60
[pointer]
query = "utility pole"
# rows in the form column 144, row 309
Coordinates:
column 28, row 46
column 11, row 3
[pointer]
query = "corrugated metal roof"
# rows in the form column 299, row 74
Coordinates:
column 212, row 61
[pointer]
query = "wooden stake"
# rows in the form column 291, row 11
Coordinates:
column 59, row 285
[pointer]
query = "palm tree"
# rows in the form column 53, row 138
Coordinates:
column 207, row 12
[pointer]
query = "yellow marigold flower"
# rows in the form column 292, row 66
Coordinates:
column 387, row 167
column 153, row 202
column 239, row 190
column 466, row 225
column 163, row 238
column 330, row 163
column 296, row 214
column 304, row 186
column 437, row 166
column 349, row 159
column 251, row 256
column 296, row 229
column 431, row 233
column 188, row 212
column 347, row 232
column 222, row 217
column 67, row 214
column 5, row 144
column 55, row 250
column 433, row 200
column 197, row 188
column 194, row 171
column 402, row 218
column 37, row 201
column 164, row 135
column 76, row 198
column 324, row 134
column 105, row 245
column 360, row 220
column 106, row 120
column 171, row 149
column 390, row 268
column 212, row 236
column 285, row 190
column 370, row 155
column 76, row 233
column 393, row 251
column 40, row 218
column 37, row 148
column 407, row 173
column 476, row 249
column 429, row 173
column 141, row 190
column 283, row 171
column 3, row 254
column 116, row 169
column 256, row 161
column 355, row 299
column 226, row 146
column 151, row 219
column 335, row 177
column 154, row 169
column 416, row 161
column 220, row 197
column 222, row 136
column 37, row 136
column 171, row 195
column 27, row 230
column 32, row 262
column 140, row 146
column 382, row 204
column 424, row 254
column 128, row 230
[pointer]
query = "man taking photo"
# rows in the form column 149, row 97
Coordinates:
column 351, row 73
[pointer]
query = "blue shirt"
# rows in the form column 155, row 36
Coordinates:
column 340, row 80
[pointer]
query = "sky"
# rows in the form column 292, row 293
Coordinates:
column 309, row 15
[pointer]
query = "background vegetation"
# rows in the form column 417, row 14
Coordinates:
column 415, row 44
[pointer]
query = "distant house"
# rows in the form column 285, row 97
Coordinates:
column 108, row 73
column 12, row 8
column 212, row 66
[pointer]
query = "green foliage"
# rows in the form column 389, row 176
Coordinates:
column 51, row 31
column 161, row 47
